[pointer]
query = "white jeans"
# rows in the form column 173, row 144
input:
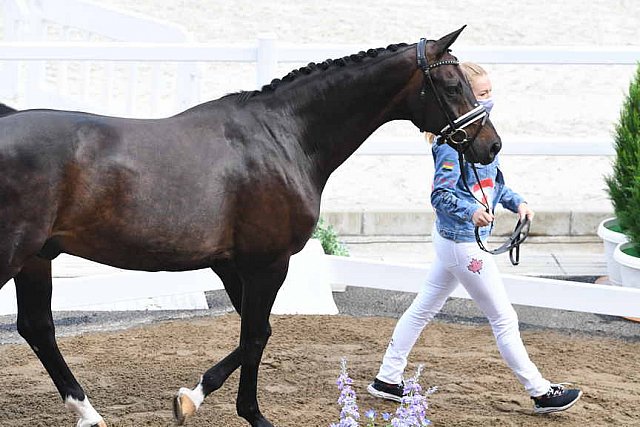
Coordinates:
column 477, row 271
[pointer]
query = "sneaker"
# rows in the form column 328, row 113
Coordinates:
column 386, row 391
column 558, row 398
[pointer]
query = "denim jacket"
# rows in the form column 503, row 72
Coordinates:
column 454, row 205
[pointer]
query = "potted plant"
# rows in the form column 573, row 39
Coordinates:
column 611, row 234
column 624, row 185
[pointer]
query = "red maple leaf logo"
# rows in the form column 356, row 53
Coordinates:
column 475, row 265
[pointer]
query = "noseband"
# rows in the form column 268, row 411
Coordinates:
column 456, row 136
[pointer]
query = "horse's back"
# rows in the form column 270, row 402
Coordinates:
column 85, row 178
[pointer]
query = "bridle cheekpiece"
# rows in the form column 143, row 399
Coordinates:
column 454, row 132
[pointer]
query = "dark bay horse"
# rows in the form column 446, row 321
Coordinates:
column 233, row 185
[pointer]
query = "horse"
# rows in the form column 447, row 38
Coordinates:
column 233, row 185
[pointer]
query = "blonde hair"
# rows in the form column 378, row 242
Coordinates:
column 471, row 71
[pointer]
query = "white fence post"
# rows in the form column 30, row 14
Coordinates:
column 266, row 58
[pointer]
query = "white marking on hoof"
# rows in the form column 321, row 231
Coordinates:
column 186, row 403
column 88, row 417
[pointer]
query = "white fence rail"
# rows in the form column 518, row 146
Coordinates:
column 522, row 290
column 308, row 288
column 267, row 53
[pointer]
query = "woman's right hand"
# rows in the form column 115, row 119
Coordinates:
column 481, row 218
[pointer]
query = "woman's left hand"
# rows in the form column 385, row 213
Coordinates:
column 523, row 210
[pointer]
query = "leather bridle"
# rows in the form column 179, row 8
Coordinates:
column 454, row 132
column 456, row 136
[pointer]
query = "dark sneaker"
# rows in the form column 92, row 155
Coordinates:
column 386, row 391
column 558, row 398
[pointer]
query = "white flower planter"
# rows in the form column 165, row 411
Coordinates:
column 611, row 239
column 629, row 266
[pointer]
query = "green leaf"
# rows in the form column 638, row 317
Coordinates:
column 329, row 239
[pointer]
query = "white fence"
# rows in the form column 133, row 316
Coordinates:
column 308, row 288
column 267, row 53
column 91, row 86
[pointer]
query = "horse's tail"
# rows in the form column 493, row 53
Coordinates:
column 5, row 110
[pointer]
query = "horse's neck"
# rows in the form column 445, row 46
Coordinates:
column 338, row 109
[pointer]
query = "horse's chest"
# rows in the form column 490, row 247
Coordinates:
column 278, row 212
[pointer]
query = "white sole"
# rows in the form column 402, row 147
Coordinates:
column 557, row 409
column 382, row 395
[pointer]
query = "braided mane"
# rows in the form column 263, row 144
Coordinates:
column 313, row 67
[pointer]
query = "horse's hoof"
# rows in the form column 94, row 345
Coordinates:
column 100, row 424
column 183, row 407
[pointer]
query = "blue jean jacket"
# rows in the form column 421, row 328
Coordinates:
column 453, row 203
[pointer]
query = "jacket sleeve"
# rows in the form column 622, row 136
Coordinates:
column 444, row 197
column 511, row 200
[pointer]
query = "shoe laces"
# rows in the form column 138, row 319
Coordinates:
column 557, row 389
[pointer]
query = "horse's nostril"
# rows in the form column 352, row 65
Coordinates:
column 495, row 148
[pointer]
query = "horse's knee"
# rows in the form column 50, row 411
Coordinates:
column 35, row 330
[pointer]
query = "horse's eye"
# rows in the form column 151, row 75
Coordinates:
column 453, row 90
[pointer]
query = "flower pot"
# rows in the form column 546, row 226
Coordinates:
column 611, row 239
column 627, row 255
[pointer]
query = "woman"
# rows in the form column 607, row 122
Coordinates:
column 458, row 259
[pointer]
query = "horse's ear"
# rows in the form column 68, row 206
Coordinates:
column 443, row 44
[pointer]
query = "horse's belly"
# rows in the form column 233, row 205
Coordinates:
column 158, row 253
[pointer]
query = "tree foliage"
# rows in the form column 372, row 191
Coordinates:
column 623, row 184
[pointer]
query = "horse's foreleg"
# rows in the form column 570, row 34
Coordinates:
column 35, row 324
column 187, row 402
column 260, row 287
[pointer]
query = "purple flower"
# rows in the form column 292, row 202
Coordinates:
column 411, row 412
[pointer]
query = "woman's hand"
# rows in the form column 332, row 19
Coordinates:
column 523, row 210
column 482, row 218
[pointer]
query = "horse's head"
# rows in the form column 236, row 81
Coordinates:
column 445, row 105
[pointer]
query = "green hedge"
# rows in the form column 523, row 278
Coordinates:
column 623, row 184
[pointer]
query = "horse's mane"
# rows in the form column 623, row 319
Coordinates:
column 243, row 96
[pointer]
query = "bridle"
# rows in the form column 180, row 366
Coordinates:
column 456, row 136
column 454, row 132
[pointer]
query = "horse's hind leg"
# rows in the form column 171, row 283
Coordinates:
column 187, row 402
column 35, row 324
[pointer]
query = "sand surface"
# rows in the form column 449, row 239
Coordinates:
column 131, row 375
